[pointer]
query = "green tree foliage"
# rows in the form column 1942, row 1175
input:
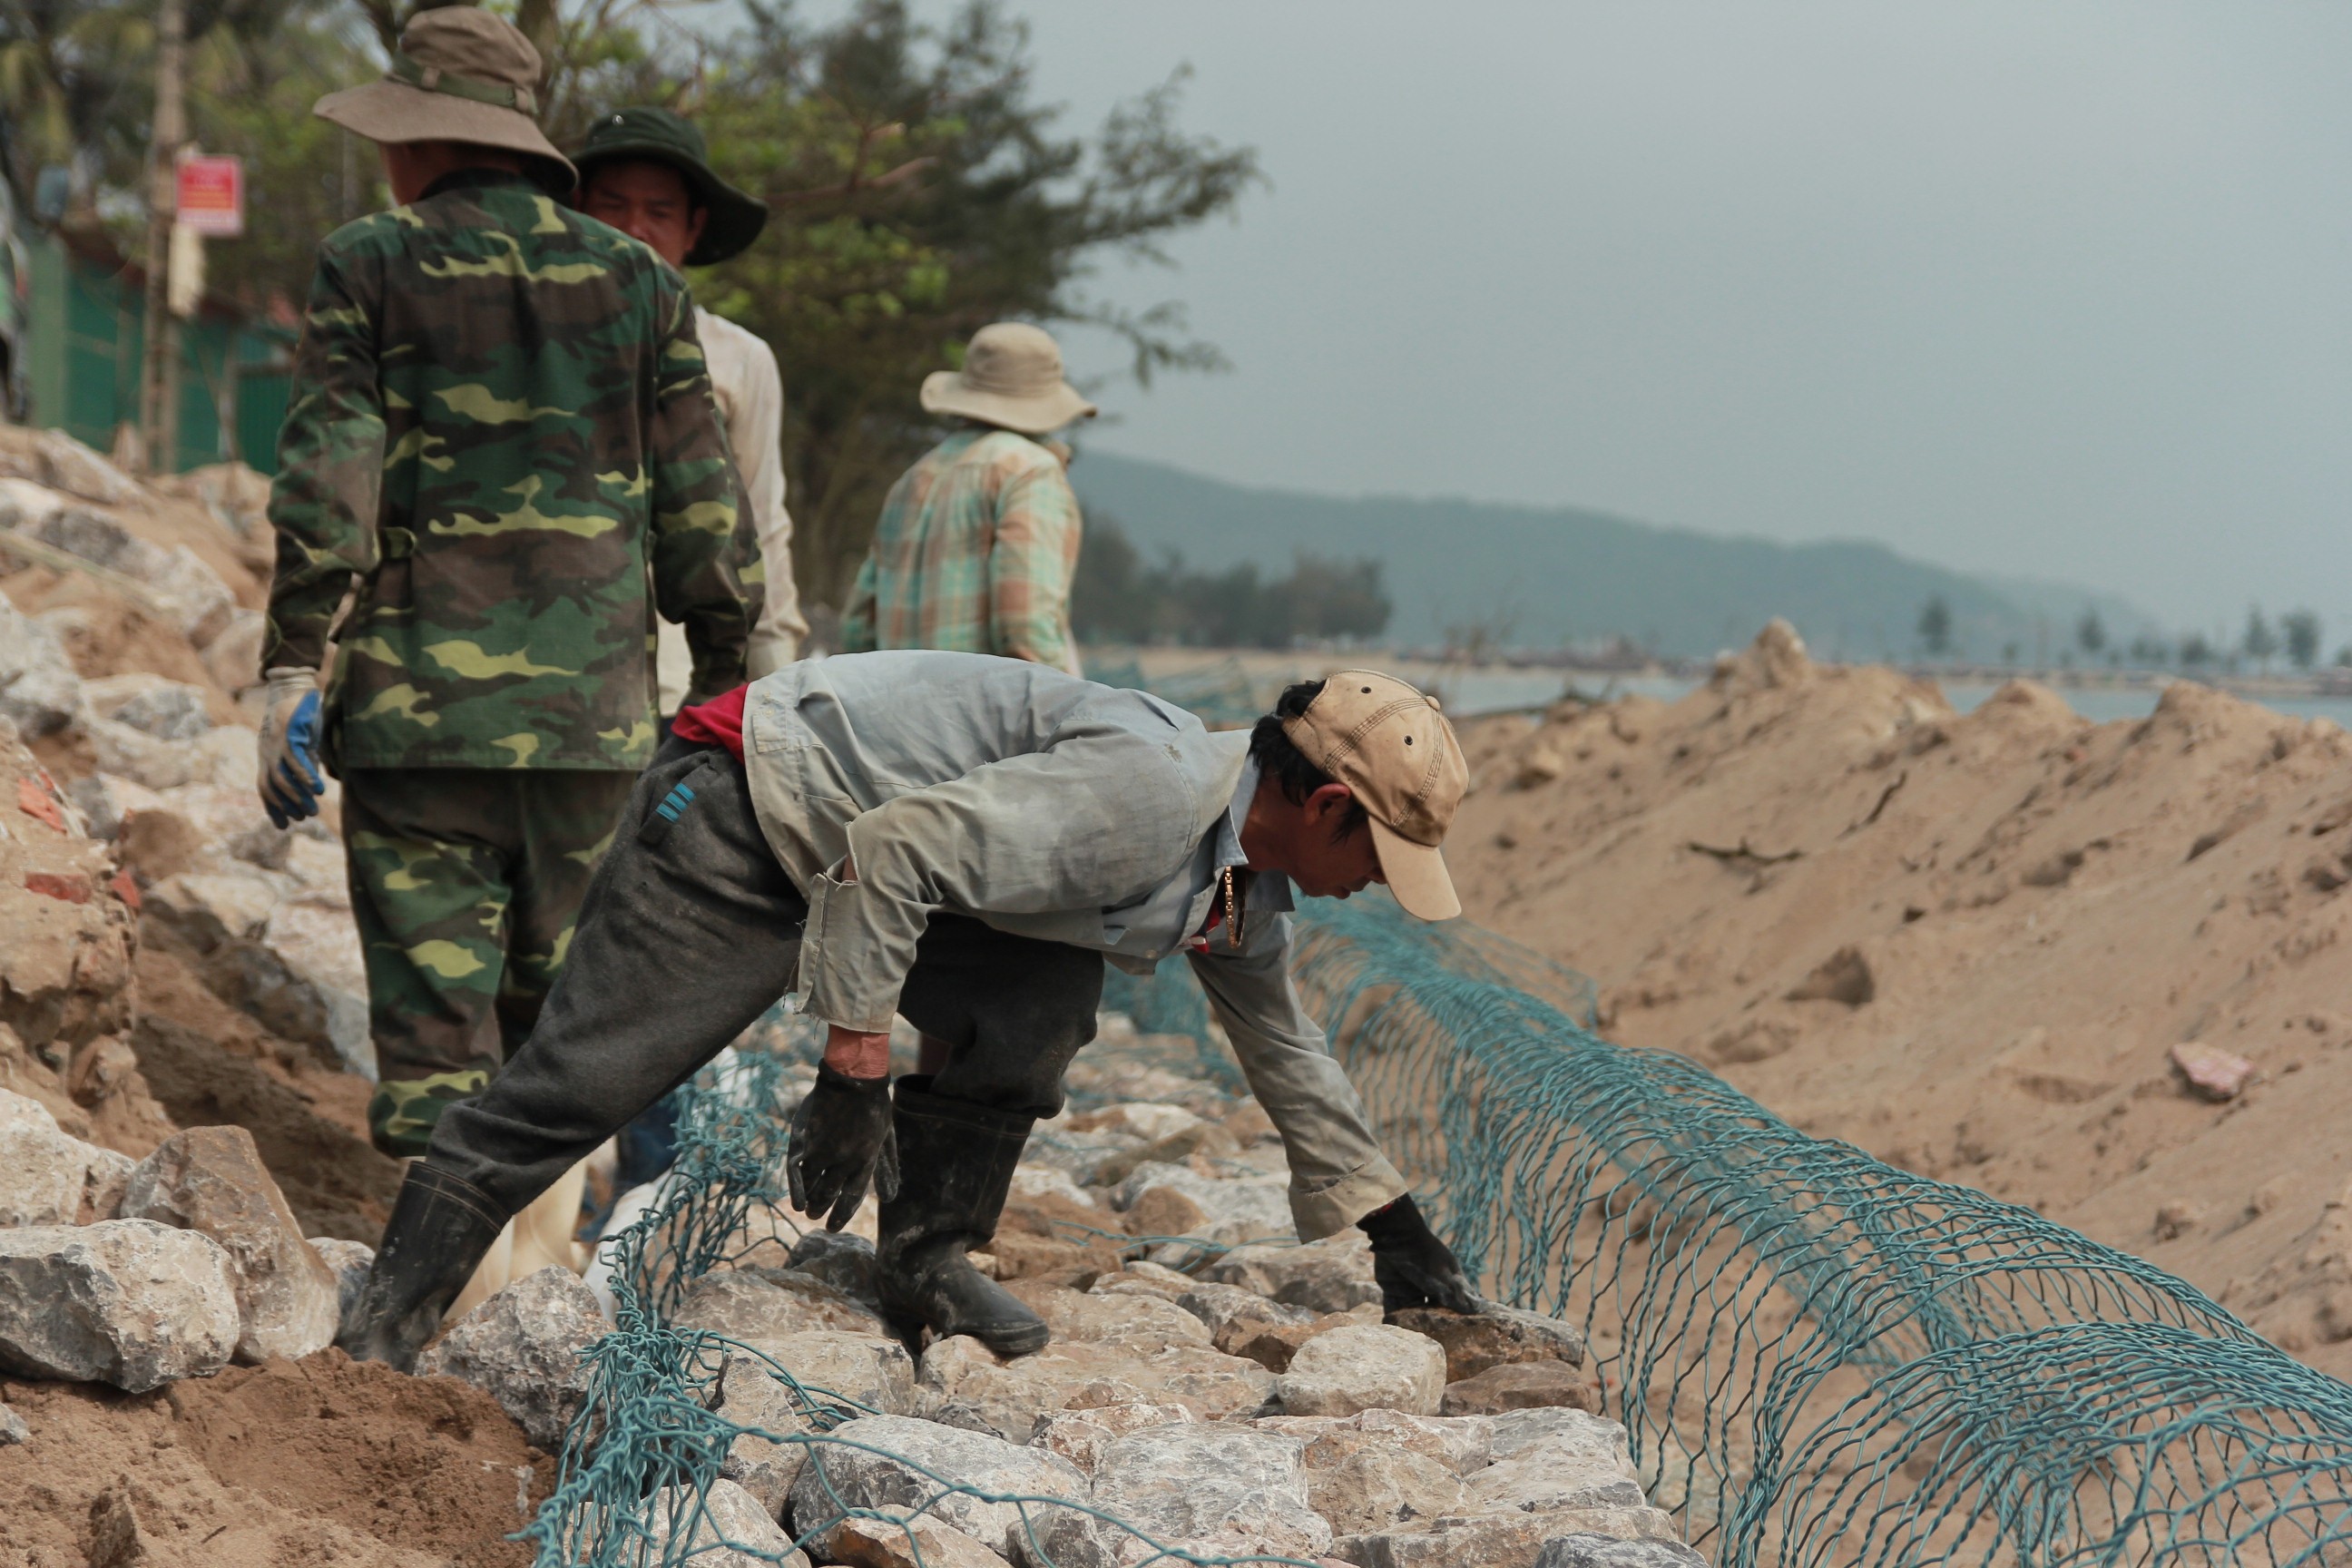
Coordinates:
column 2091, row 632
column 1936, row 627
column 920, row 187
column 2301, row 629
column 921, row 192
column 1119, row 598
column 2260, row 643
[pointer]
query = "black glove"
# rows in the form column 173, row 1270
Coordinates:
column 1413, row 1268
column 840, row 1140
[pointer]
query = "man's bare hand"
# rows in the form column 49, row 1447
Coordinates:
column 853, row 1054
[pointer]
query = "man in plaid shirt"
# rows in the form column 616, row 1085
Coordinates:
column 978, row 541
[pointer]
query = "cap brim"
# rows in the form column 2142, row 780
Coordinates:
column 394, row 112
column 947, row 392
column 1415, row 873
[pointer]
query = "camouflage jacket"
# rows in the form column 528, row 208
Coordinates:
column 500, row 427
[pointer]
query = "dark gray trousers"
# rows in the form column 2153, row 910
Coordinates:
column 689, row 932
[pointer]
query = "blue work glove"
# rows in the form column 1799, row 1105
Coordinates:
column 291, row 782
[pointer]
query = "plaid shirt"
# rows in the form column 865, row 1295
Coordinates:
column 974, row 554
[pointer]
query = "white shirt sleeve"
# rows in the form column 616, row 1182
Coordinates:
column 750, row 392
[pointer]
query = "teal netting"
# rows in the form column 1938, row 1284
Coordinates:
column 1820, row 1359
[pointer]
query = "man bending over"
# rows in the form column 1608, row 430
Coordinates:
column 963, row 840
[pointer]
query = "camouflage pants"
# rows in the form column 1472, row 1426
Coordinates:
column 464, row 882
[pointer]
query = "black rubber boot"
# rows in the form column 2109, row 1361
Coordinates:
column 440, row 1228
column 955, row 1166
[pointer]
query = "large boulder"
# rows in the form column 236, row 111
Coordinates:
column 349, row 1262
column 1233, row 1210
column 901, row 1466
column 918, row 1543
column 1212, row 1489
column 1365, row 1366
column 1081, row 1436
column 524, row 1348
column 794, row 1383
column 211, row 1180
column 126, row 1301
column 44, row 1172
column 1521, row 1385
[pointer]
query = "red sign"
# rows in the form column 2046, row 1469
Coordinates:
column 212, row 196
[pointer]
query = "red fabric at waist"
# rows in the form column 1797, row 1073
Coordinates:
column 718, row 722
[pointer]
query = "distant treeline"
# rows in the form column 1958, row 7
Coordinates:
column 1119, row 598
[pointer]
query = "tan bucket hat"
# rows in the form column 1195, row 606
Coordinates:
column 1012, row 376
column 460, row 75
column 1387, row 742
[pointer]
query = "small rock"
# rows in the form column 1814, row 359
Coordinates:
column 1607, row 1552
column 1844, row 976
column 1364, row 1367
column 1210, row 1489
column 756, row 1304
column 167, row 709
column 522, row 1347
column 206, row 911
column 1139, row 1323
column 1075, row 1374
column 212, row 1180
column 1521, row 1385
column 2209, row 1073
column 106, row 801
column 39, row 689
column 1165, row 1212
column 1329, row 1276
column 887, row 1470
column 871, row 1375
column 125, row 1301
column 843, row 1261
column 1363, row 1484
column 724, row 1528
column 104, row 1183
column 1462, row 1445
column 1586, row 1467
column 1275, row 1346
column 1033, row 1183
column 349, row 1262
column 916, row 1542
column 2175, row 1220
column 44, row 1172
column 1138, row 1118
column 753, row 1398
column 1081, row 1436
column 13, row 1429
column 1235, row 1211
column 1228, row 1309
column 1145, row 1277
column 1477, row 1340
column 1512, row 1539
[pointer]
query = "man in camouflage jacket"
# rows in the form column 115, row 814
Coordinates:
column 500, row 428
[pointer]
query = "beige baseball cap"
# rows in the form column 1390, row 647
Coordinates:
column 1387, row 742
column 459, row 75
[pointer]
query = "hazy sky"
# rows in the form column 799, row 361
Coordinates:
column 2062, row 289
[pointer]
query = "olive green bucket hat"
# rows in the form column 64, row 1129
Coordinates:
column 660, row 136
column 459, row 75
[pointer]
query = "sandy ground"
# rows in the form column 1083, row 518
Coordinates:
column 1999, row 925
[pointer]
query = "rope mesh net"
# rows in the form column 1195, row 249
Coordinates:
column 1818, row 1358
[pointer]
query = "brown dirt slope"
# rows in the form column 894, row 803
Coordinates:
column 320, row 1461
column 1967, row 944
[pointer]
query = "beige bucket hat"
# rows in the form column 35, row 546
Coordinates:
column 1388, row 742
column 1012, row 376
column 460, row 75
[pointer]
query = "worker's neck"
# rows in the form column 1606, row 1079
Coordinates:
column 1268, row 829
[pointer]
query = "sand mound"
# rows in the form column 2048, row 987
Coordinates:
column 1968, row 944
column 319, row 1460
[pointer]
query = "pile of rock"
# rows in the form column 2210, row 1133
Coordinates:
column 138, row 1273
column 1210, row 1383
column 164, row 768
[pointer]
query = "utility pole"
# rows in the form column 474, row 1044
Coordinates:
column 159, row 382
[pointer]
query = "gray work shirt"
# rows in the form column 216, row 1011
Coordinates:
column 1053, row 808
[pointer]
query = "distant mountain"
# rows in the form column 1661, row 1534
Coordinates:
column 1561, row 576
